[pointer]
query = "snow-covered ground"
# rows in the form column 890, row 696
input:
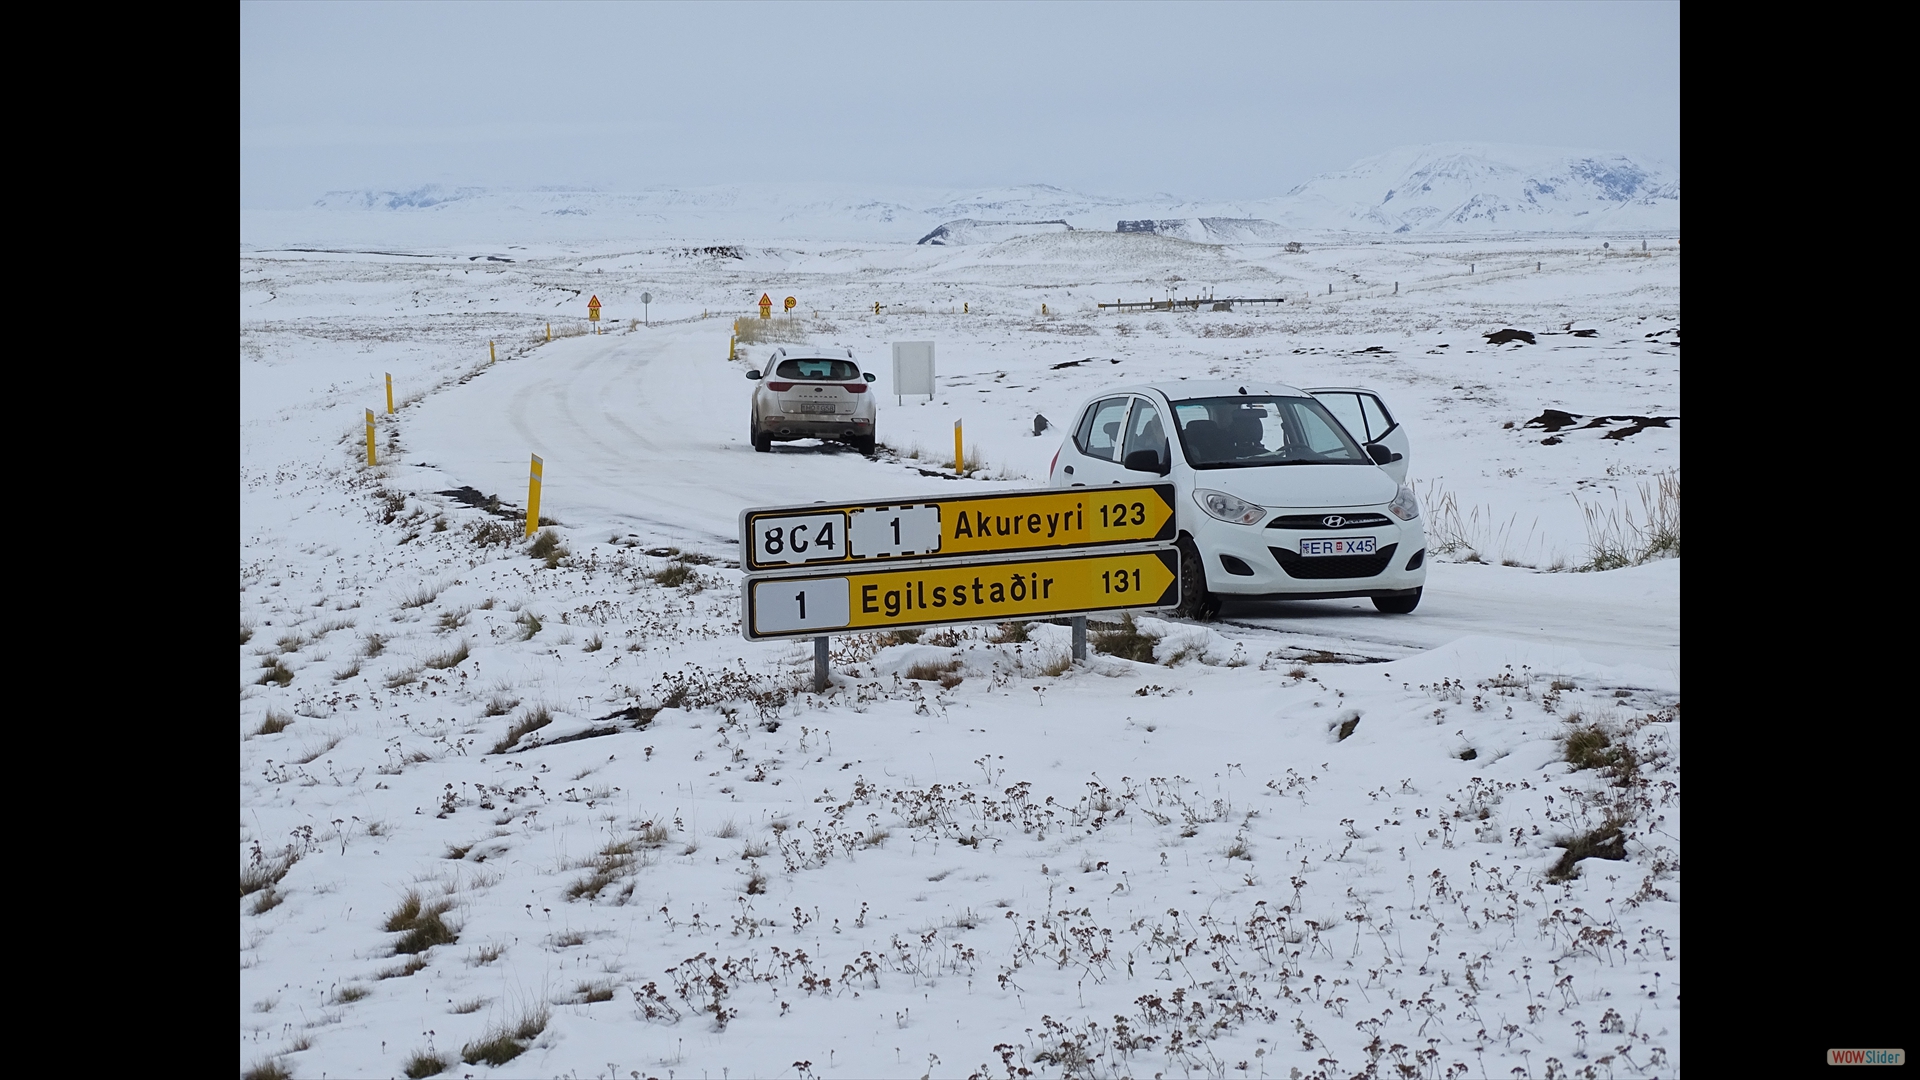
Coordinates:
column 1307, row 839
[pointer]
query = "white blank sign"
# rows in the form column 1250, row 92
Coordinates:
column 913, row 368
column 807, row 604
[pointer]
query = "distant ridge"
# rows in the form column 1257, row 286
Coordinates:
column 1438, row 189
column 969, row 231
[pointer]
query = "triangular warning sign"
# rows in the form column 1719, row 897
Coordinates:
column 593, row 302
column 765, row 299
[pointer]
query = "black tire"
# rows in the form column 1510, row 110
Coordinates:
column 1399, row 603
column 864, row 445
column 1196, row 602
column 761, row 443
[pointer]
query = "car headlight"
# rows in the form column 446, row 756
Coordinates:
column 1227, row 508
column 1404, row 506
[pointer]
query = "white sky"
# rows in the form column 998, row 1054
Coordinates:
column 1200, row 100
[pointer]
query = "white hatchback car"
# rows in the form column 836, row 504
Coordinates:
column 1281, row 494
column 812, row 392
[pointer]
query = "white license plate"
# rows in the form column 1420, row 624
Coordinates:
column 1345, row 545
column 812, row 407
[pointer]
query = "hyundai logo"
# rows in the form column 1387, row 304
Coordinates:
column 1333, row 521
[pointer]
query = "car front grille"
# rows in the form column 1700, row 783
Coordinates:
column 1318, row 522
column 1333, row 566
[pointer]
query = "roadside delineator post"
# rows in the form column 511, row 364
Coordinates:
column 733, row 343
column 389, row 393
column 819, row 665
column 533, row 495
column 549, row 331
column 959, row 460
column 370, row 458
column 490, row 357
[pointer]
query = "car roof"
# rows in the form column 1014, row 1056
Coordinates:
column 1204, row 388
column 813, row 352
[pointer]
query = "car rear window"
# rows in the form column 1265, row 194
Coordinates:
column 825, row 370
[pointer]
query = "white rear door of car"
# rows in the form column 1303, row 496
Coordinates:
column 1367, row 418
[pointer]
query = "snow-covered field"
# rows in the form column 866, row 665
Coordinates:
column 1307, row 839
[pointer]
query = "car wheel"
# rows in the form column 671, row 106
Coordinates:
column 1195, row 601
column 1399, row 603
column 864, row 444
column 761, row 442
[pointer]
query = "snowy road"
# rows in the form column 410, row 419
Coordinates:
column 642, row 432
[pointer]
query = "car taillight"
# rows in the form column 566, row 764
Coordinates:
column 855, row 387
column 778, row 387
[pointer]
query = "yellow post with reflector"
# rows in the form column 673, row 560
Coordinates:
column 549, row 331
column 733, row 343
column 959, row 459
column 389, row 393
column 533, row 495
column 370, row 457
column 490, row 357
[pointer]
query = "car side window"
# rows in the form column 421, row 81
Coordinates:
column 1378, row 422
column 1099, row 434
column 1346, row 409
column 1144, row 432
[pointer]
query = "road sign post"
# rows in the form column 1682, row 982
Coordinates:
column 816, row 569
column 932, row 594
column 1059, row 520
column 646, row 308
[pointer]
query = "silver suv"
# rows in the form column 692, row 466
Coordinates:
column 810, row 392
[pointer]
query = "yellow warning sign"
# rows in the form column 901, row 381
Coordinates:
column 928, row 595
column 811, row 534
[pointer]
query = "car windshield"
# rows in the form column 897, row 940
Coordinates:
column 827, row 370
column 1248, row 431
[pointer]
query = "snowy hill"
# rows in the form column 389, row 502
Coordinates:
column 1446, row 188
column 1485, row 188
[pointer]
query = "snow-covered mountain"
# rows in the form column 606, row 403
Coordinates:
column 1485, row 188
column 1444, row 188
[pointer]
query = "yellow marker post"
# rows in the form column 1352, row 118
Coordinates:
column 370, row 458
column 389, row 393
column 733, row 345
column 959, row 459
column 549, row 331
column 533, row 495
column 490, row 357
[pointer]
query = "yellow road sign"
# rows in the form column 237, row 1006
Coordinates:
column 791, row 302
column 782, row 537
column 924, row 594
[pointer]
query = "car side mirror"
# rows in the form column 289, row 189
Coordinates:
column 1380, row 454
column 1146, row 461
column 870, row 377
column 754, row 374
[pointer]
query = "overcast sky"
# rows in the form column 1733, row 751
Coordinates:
column 1213, row 101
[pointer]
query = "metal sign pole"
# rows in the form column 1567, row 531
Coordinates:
column 1079, row 637
column 819, row 665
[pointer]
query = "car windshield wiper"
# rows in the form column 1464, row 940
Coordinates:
column 1266, row 464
